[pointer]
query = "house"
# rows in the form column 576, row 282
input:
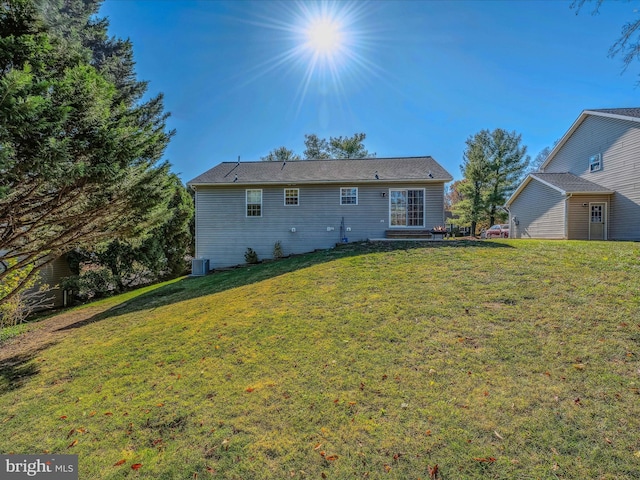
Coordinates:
column 312, row 204
column 589, row 186
column 51, row 274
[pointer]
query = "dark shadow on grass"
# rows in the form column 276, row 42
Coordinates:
column 225, row 279
column 16, row 370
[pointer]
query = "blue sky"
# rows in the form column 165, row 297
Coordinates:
column 418, row 77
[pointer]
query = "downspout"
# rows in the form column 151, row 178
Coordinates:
column 566, row 216
column 509, row 212
column 195, row 221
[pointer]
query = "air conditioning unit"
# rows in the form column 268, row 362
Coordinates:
column 199, row 266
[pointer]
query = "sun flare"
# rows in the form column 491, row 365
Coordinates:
column 325, row 43
column 324, row 36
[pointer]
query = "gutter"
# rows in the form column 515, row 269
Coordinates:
column 566, row 215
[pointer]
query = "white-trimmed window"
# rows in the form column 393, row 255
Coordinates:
column 291, row 196
column 349, row 196
column 254, row 203
column 595, row 162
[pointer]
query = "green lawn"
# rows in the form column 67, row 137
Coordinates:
column 498, row 359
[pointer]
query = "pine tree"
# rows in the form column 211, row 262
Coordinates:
column 80, row 153
column 494, row 163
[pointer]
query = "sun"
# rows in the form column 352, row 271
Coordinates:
column 324, row 36
column 327, row 44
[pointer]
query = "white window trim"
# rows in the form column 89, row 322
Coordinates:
column 284, row 193
column 246, row 201
column 350, row 188
column 595, row 160
column 424, row 208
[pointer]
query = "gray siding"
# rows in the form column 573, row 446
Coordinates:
column 540, row 212
column 224, row 232
column 52, row 274
column 618, row 141
column 578, row 216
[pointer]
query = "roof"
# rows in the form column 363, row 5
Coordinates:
column 631, row 114
column 565, row 183
column 362, row 170
column 624, row 112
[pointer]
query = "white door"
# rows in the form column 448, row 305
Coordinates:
column 597, row 221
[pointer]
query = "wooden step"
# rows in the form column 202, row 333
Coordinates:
column 408, row 234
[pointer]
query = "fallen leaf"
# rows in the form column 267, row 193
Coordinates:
column 73, row 444
column 71, row 432
column 92, row 413
column 136, row 466
column 160, row 405
column 108, row 414
column 249, row 389
column 119, row 462
column 63, row 417
column 387, row 468
column 428, row 433
column 433, row 471
column 485, row 460
column 317, row 446
column 331, row 458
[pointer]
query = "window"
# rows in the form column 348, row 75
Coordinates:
column 254, row 203
column 291, row 196
column 349, row 196
column 595, row 163
column 406, row 208
column 596, row 213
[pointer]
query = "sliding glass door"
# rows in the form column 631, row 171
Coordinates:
column 406, row 208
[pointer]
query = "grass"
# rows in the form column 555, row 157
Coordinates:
column 501, row 359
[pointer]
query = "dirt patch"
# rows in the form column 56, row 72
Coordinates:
column 46, row 332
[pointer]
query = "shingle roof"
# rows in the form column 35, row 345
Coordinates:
column 570, row 183
column 626, row 112
column 361, row 170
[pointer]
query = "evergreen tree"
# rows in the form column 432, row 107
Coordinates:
column 475, row 169
column 494, row 163
column 80, row 153
column 349, row 147
column 508, row 160
column 281, row 154
column 316, row 148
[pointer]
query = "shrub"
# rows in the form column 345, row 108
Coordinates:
column 277, row 251
column 250, row 256
column 17, row 303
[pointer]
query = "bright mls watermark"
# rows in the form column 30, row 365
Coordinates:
column 49, row 467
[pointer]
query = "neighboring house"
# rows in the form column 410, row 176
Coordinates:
column 589, row 186
column 312, row 204
column 51, row 274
